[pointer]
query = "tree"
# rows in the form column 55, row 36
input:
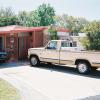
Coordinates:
column 61, row 21
column 46, row 14
column 29, row 18
column 53, row 32
column 7, row 17
column 6, row 12
column 93, row 35
column 76, row 24
column 70, row 22
column 34, row 18
column 23, row 18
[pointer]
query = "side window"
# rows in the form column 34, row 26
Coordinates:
column 52, row 45
column 74, row 44
column 65, row 44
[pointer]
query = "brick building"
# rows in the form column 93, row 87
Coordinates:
column 17, row 39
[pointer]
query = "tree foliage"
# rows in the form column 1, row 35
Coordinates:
column 29, row 18
column 93, row 35
column 46, row 14
column 23, row 18
column 34, row 18
column 70, row 22
column 42, row 16
column 53, row 33
column 7, row 17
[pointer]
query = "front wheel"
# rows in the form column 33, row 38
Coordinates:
column 83, row 67
column 34, row 61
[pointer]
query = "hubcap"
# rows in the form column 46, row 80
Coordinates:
column 33, row 61
column 82, row 68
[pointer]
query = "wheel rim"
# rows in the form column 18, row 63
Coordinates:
column 82, row 68
column 33, row 61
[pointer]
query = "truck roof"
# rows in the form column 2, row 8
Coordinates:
column 59, row 40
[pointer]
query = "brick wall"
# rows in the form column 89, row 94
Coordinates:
column 37, row 39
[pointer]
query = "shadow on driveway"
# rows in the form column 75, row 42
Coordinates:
column 69, row 70
column 97, row 97
column 57, row 68
column 13, row 64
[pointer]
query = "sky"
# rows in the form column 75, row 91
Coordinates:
column 90, row 9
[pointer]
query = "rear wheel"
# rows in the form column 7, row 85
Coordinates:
column 83, row 68
column 34, row 61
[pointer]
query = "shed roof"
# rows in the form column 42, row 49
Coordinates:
column 63, row 30
column 16, row 28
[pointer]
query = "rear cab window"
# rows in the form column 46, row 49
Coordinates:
column 67, row 44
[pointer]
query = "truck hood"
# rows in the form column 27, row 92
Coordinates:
column 36, row 48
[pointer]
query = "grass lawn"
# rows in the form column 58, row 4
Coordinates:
column 8, row 92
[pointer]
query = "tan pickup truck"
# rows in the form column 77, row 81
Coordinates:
column 65, row 52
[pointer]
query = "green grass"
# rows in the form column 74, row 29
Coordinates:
column 8, row 92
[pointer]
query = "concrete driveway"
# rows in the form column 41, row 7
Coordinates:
column 51, row 82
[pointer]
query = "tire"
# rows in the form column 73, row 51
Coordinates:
column 83, row 67
column 34, row 61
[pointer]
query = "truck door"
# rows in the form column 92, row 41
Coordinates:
column 51, row 52
column 66, row 56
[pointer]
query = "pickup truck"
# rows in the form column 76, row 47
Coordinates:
column 63, row 52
